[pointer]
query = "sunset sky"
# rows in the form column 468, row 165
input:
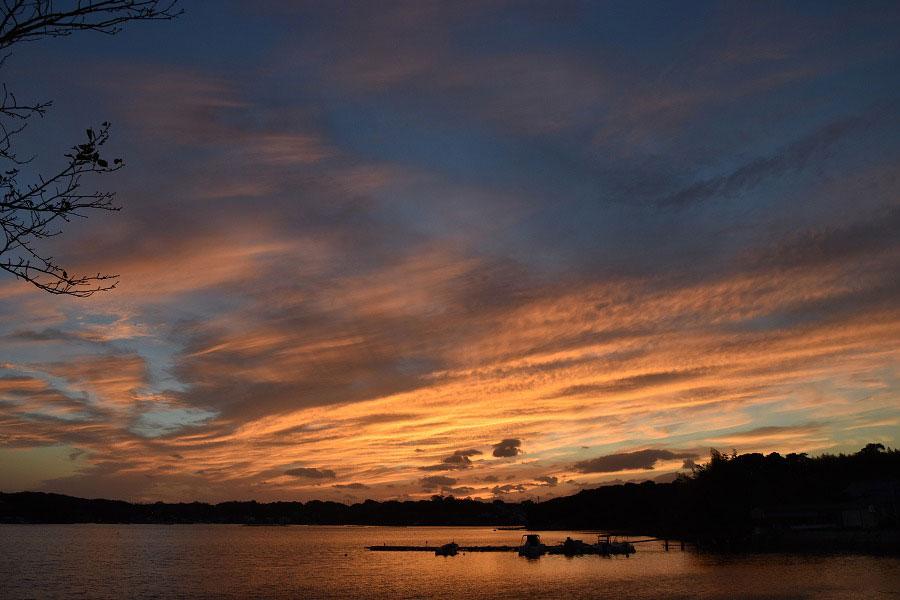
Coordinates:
column 493, row 249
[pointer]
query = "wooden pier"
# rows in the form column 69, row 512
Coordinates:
column 681, row 543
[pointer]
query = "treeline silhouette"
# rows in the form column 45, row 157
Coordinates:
column 39, row 507
column 730, row 497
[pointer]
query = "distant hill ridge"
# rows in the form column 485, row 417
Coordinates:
column 732, row 496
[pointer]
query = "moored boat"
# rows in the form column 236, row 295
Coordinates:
column 532, row 547
column 572, row 547
column 450, row 549
column 607, row 546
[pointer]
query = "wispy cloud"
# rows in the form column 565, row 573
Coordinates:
column 639, row 459
column 391, row 251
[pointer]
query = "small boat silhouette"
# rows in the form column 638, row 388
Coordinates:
column 607, row 546
column 450, row 549
column 532, row 547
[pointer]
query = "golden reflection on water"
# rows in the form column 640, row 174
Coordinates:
column 229, row 562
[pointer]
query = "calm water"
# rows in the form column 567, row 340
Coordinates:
column 226, row 561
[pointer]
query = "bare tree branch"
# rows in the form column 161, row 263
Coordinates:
column 28, row 20
column 33, row 211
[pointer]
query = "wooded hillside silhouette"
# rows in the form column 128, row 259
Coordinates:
column 728, row 497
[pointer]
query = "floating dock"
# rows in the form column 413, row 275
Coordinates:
column 569, row 548
column 560, row 549
column 433, row 548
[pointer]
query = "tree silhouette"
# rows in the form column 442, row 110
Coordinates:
column 37, row 209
